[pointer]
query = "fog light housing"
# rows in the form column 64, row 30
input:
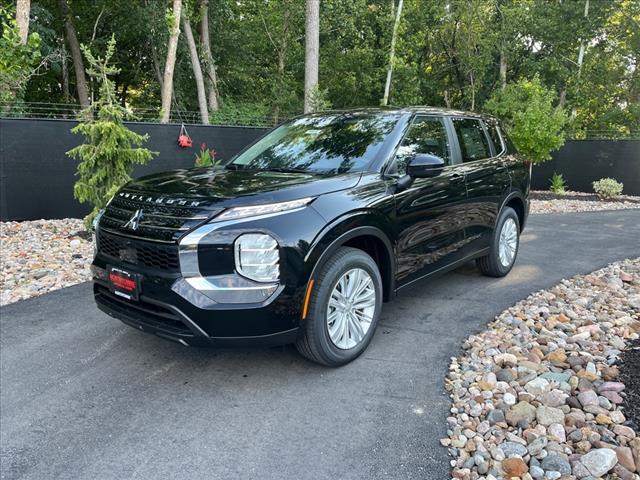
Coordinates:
column 257, row 257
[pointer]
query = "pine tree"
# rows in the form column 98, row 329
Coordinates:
column 110, row 150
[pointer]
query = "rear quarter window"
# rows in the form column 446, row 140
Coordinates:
column 495, row 135
column 474, row 144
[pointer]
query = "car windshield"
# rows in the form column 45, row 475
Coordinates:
column 331, row 143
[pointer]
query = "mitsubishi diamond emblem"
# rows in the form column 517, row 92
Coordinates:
column 134, row 222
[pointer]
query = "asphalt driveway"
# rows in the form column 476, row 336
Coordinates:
column 83, row 396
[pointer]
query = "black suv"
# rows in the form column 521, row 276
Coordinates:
column 302, row 236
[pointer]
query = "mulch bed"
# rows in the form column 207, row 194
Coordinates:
column 583, row 197
column 630, row 376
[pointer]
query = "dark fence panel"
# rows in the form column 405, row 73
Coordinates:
column 36, row 177
column 581, row 162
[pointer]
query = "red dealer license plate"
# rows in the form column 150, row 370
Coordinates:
column 124, row 284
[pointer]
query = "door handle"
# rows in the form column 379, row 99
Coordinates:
column 456, row 177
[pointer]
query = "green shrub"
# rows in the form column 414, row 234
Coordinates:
column 110, row 150
column 558, row 184
column 534, row 124
column 607, row 188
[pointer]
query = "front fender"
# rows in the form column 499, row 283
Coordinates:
column 348, row 227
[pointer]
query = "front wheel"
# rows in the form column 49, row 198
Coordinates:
column 504, row 246
column 343, row 309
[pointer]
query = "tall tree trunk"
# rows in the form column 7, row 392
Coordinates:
column 156, row 64
column 210, row 66
column 581, row 56
column 281, row 65
column 65, row 75
column 22, row 19
column 582, row 43
column 197, row 70
column 76, row 55
column 311, row 52
column 167, row 83
column 503, row 69
column 563, row 97
column 123, row 99
column 447, row 99
column 473, row 91
column 392, row 52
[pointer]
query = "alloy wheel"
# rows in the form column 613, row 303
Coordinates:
column 508, row 242
column 352, row 304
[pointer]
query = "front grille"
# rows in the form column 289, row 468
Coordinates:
column 157, row 222
column 139, row 252
column 143, row 313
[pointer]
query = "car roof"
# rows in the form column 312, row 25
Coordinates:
column 412, row 110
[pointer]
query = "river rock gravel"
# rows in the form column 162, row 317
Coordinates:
column 549, row 202
column 41, row 256
column 538, row 394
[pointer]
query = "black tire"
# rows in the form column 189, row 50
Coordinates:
column 314, row 342
column 490, row 264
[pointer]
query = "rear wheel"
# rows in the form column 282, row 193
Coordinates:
column 504, row 247
column 343, row 309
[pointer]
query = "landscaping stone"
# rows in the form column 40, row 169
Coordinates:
column 556, row 412
column 514, row 467
column 549, row 202
column 599, row 461
column 41, row 256
column 556, row 462
column 548, row 415
column 519, row 412
column 513, row 449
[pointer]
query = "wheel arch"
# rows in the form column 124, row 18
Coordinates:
column 371, row 239
column 516, row 201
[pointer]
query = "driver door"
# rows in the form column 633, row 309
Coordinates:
column 430, row 214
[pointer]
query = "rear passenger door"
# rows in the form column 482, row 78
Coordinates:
column 487, row 178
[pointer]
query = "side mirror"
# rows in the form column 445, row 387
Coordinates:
column 425, row 165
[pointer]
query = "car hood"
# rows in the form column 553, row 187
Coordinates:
column 165, row 206
column 229, row 188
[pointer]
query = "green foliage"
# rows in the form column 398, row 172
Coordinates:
column 558, row 184
column 319, row 100
column 17, row 61
column 607, row 188
column 206, row 157
column 110, row 150
column 534, row 125
column 235, row 113
column 447, row 54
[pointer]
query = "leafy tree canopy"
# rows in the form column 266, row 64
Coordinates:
column 533, row 123
column 447, row 54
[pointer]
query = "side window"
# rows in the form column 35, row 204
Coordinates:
column 494, row 133
column 474, row 144
column 426, row 135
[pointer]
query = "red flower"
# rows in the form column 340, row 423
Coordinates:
column 203, row 146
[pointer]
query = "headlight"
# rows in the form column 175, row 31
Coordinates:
column 253, row 210
column 257, row 257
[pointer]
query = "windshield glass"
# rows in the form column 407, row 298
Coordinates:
column 332, row 143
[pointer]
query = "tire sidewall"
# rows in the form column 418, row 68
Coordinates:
column 327, row 283
column 508, row 212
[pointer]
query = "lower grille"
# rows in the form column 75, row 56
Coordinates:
column 138, row 252
column 143, row 313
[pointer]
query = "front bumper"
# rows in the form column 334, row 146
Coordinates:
column 163, row 310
